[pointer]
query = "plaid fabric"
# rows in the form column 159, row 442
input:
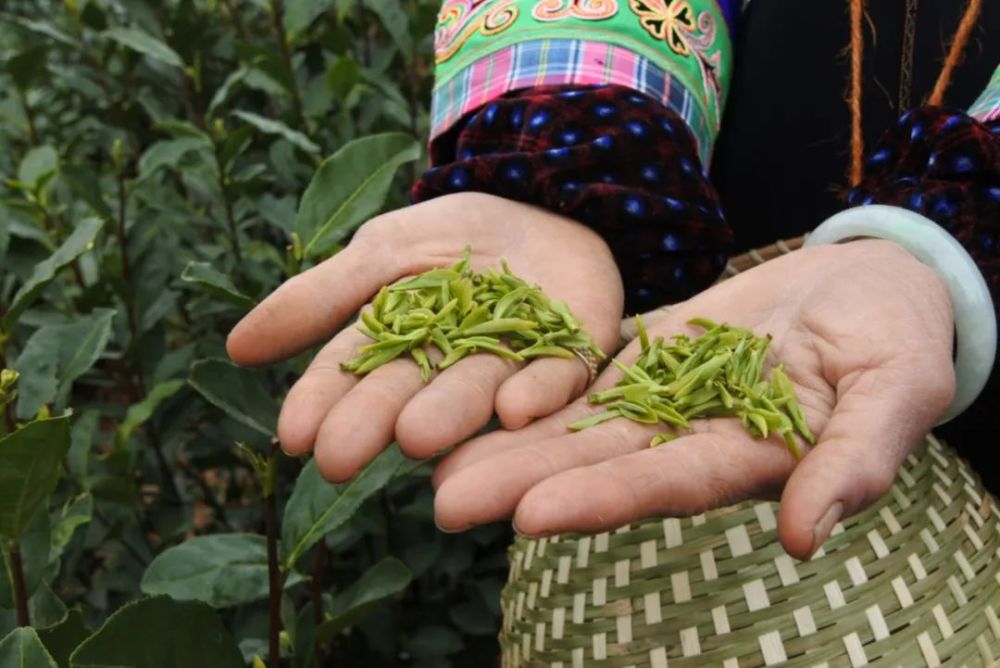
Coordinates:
column 548, row 62
column 987, row 107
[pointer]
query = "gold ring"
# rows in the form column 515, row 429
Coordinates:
column 590, row 360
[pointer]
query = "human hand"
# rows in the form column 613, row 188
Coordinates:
column 865, row 331
column 346, row 419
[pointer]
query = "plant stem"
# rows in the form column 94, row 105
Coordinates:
column 29, row 116
column 273, row 571
column 133, row 324
column 20, row 590
column 234, row 237
column 166, row 475
column 317, row 598
column 277, row 14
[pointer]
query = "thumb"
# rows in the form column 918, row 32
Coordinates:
column 880, row 415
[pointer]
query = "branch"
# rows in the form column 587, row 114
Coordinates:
column 20, row 590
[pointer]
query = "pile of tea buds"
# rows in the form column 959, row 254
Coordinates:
column 717, row 374
column 461, row 312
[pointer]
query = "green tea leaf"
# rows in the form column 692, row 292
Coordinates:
column 23, row 649
column 170, row 153
column 384, row 580
column 85, row 185
column 237, row 391
column 28, row 67
column 139, row 413
column 146, row 44
column 44, row 28
column 317, row 507
column 56, row 355
column 78, row 243
column 299, row 14
column 29, row 469
column 272, row 127
column 37, row 163
column 395, row 22
column 77, row 512
column 160, row 633
column 60, row 640
column 350, row 187
column 221, row 570
column 213, row 281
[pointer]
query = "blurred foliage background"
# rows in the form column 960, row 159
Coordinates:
column 165, row 164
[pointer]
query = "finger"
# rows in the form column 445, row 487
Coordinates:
column 314, row 394
column 540, row 389
column 309, row 307
column 879, row 416
column 455, row 406
column 490, row 490
column 361, row 425
column 492, row 444
column 680, row 478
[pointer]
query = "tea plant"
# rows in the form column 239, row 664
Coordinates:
column 166, row 164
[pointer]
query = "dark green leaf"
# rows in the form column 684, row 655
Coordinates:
column 380, row 582
column 239, row 392
column 170, row 153
column 76, row 513
column 350, row 187
column 342, row 76
column 317, row 507
column 205, row 276
column 299, row 14
column 45, row 28
column 222, row 570
column 60, row 640
column 37, row 163
column 160, row 633
column 144, row 43
column 23, row 649
column 56, row 355
column 78, row 243
column 139, row 413
column 85, row 185
column 29, row 469
column 395, row 22
column 273, row 127
column 28, row 67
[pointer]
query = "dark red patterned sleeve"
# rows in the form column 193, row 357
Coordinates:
column 613, row 159
column 945, row 165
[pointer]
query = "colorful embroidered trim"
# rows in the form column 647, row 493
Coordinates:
column 987, row 107
column 559, row 62
column 685, row 42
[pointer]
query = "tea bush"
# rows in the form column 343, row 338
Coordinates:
column 166, row 164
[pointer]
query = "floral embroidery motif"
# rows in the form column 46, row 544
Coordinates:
column 459, row 20
column 588, row 10
column 700, row 42
column 675, row 22
column 667, row 20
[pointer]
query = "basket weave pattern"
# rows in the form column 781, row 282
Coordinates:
column 914, row 580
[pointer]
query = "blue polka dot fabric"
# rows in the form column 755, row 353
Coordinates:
column 608, row 157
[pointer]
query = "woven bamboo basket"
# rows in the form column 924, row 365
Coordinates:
column 913, row 580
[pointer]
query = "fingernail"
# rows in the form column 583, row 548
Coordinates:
column 444, row 530
column 825, row 525
column 530, row 536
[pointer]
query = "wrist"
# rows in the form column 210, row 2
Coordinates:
column 975, row 323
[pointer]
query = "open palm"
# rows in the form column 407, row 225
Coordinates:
column 865, row 331
column 346, row 419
